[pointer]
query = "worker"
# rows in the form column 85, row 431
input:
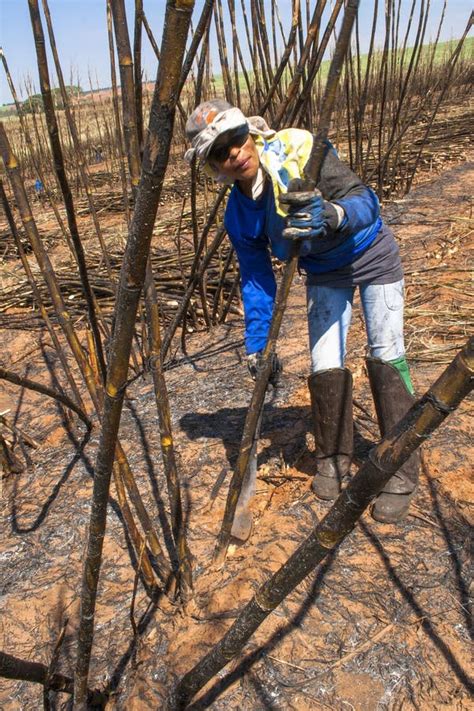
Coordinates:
column 98, row 157
column 344, row 246
column 39, row 189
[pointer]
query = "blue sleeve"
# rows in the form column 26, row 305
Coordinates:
column 244, row 221
column 340, row 185
column 361, row 209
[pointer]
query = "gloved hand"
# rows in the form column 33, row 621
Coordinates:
column 306, row 215
column 254, row 363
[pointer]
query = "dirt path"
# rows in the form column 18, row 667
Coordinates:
column 383, row 624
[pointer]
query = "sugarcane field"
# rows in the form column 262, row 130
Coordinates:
column 237, row 361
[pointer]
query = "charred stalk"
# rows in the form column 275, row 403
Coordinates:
column 44, row 390
column 161, row 395
column 81, row 163
column 39, row 301
column 56, row 149
column 15, row 668
column 37, row 164
column 127, row 82
column 64, row 319
column 177, row 19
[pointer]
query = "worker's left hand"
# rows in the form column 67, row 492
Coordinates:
column 306, row 217
column 254, row 364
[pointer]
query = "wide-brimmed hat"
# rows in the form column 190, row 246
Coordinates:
column 213, row 118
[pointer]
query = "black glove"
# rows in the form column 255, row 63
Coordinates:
column 254, row 365
column 306, row 218
column 309, row 216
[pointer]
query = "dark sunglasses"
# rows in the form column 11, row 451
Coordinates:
column 236, row 138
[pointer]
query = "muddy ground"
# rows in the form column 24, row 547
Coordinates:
column 383, row 624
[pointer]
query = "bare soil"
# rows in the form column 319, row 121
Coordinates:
column 382, row 624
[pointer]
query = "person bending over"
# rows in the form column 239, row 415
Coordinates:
column 344, row 246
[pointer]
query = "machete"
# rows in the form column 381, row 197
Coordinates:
column 243, row 519
column 305, row 189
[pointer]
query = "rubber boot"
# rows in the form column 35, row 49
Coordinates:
column 392, row 400
column 331, row 404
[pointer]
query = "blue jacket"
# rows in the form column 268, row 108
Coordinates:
column 255, row 229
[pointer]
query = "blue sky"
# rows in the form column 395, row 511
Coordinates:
column 81, row 35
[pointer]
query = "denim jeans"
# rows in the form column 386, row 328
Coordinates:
column 329, row 318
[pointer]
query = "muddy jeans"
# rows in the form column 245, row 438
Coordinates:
column 329, row 318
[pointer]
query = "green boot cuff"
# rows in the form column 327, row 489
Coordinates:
column 402, row 366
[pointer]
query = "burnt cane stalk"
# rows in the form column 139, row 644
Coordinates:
column 44, row 390
column 15, row 668
column 302, row 101
column 285, row 57
column 313, row 31
column 132, row 278
column 199, row 33
column 39, row 301
column 221, row 44
column 66, row 324
column 444, row 396
column 45, row 265
column 153, row 325
column 237, row 51
column 137, row 68
column 79, row 153
column 185, row 579
column 124, row 52
column 37, row 163
column 311, row 175
column 118, row 128
column 197, row 271
column 447, row 82
column 53, row 131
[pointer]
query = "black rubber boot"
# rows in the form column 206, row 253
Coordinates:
column 331, row 404
column 392, row 400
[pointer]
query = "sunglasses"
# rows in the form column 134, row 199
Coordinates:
column 220, row 152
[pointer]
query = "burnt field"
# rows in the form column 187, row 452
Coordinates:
column 384, row 623
column 384, row 620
